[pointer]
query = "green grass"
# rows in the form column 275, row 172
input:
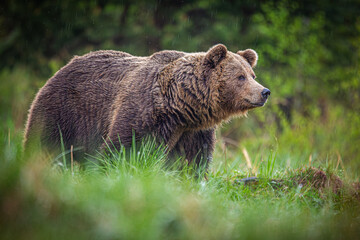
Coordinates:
column 138, row 196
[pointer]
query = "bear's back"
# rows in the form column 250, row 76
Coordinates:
column 104, row 54
column 162, row 57
column 166, row 56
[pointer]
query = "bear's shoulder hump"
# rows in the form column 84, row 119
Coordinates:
column 166, row 56
column 107, row 54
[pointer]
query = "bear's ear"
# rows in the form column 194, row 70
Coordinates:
column 215, row 55
column 250, row 56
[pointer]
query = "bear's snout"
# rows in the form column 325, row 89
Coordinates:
column 265, row 93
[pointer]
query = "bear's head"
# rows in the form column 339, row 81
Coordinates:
column 232, row 77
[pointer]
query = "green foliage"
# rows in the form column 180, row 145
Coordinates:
column 306, row 53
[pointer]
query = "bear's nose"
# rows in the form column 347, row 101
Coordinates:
column 265, row 93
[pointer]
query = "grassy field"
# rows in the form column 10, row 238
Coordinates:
column 307, row 187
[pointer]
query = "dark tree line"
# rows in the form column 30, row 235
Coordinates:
column 307, row 48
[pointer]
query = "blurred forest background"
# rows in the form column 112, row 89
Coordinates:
column 309, row 54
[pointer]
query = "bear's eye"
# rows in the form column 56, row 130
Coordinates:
column 242, row 78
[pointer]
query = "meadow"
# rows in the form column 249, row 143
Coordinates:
column 302, row 146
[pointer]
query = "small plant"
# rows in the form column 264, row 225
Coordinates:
column 267, row 169
column 145, row 156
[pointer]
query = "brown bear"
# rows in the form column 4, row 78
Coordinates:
column 176, row 97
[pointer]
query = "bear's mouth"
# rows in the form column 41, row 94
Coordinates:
column 258, row 104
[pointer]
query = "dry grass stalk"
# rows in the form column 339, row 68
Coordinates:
column 72, row 159
column 247, row 158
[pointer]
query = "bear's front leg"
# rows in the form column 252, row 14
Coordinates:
column 197, row 146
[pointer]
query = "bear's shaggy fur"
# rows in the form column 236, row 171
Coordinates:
column 176, row 97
